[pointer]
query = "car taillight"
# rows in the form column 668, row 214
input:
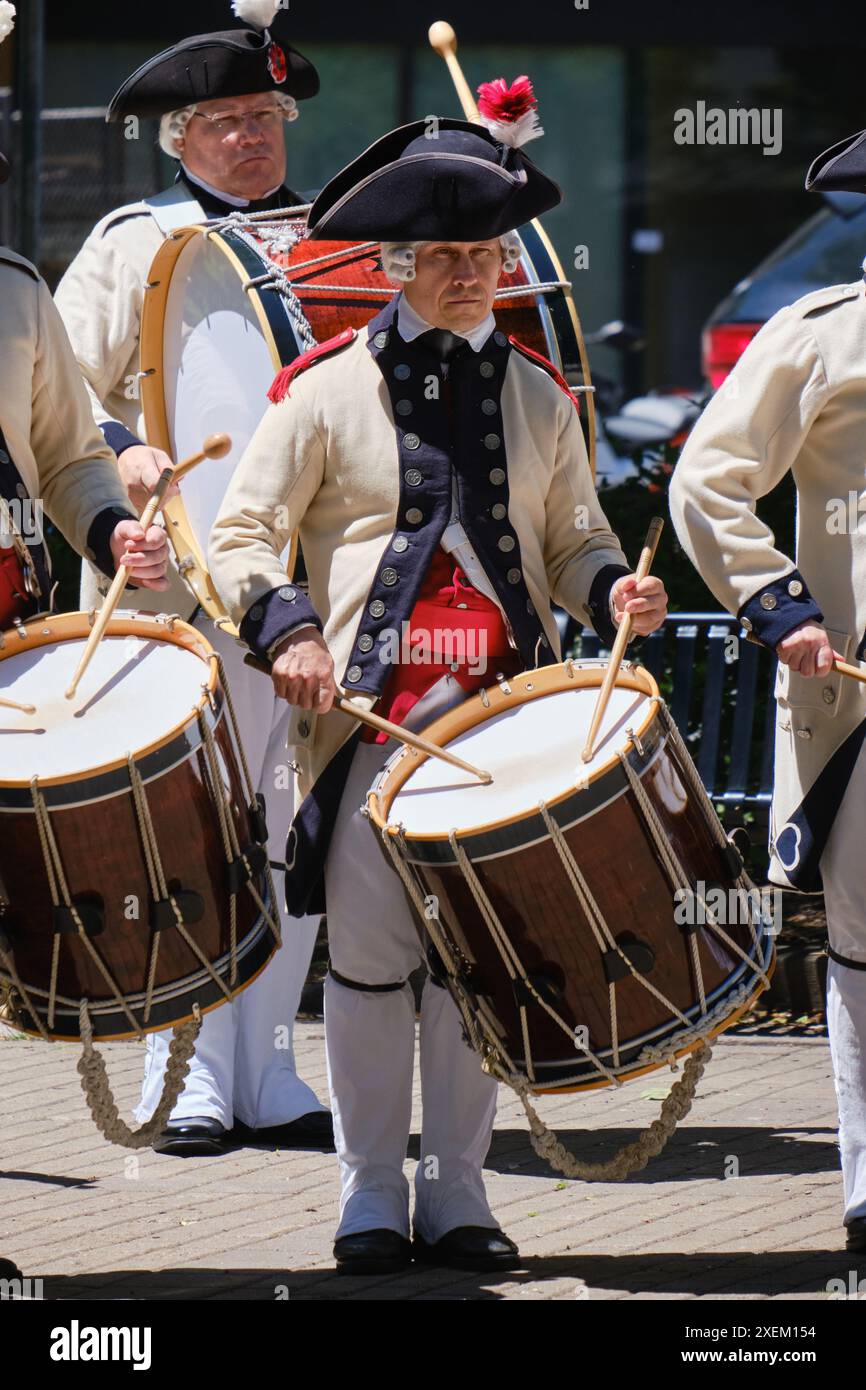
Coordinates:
column 722, row 346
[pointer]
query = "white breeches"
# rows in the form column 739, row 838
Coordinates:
column 244, row 1063
column 843, row 868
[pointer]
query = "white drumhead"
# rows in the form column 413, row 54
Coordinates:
column 133, row 694
column 533, row 751
column 217, row 369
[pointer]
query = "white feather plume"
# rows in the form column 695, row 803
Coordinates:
column 257, row 12
column 7, row 19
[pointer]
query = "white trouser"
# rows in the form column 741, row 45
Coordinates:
column 244, row 1063
column 843, row 868
column 370, row 1043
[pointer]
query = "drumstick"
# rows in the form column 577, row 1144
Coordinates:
column 13, row 704
column 216, row 446
column 384, row 726
column 844, row 668
column 444, row 40
column 619, row 646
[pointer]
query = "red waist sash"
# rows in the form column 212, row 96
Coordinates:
column 452, row 630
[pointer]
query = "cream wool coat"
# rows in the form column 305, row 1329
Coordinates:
column 796, row 401
column 100, row 299
column 325, row 460
column 45, row 412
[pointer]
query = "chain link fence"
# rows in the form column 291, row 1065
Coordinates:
column 88, row 168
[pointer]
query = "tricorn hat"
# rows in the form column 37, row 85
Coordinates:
column 841, row 168
column 442, row 179
column 232, row 63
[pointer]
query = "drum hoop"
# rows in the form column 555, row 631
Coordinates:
column 181, row 535
column 42, row 632
column 471, row 713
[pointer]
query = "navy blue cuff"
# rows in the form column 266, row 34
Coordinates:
column 274, row 615
column 118, row 437
column 777, row 608
column 99, row 538
column 598, row 603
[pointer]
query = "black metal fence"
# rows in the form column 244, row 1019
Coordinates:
column 87, row 170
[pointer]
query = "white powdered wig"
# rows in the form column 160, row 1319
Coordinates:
column 258, row 12
column 172, row 126
column 7, row 19
column 398, row 257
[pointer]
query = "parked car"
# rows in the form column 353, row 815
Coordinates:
column 828, row 249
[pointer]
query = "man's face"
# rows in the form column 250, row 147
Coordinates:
column 455, row 282
column 236, row 144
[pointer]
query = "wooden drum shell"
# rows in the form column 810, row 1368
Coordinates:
column 98, row 838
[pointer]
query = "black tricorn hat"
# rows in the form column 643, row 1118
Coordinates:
column 841, row 169
column 232, row 63
column 434, row 180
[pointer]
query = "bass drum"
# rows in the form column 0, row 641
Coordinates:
column 227, row 306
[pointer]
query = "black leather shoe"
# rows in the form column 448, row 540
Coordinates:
column 481, row 1248
column 199, row 1136
column 312, row 1131
column 372, row 1252
column 10, row 1270
column 855, row 1233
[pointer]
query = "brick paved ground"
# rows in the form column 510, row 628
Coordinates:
column 95, row 1221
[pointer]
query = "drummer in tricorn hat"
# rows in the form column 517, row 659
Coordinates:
column 795, row 403
column 51, row 453
column 432, row 465
column 223, row 100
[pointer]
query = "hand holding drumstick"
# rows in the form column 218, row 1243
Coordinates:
column 216, row 446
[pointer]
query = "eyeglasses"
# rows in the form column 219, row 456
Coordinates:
column 230, row 124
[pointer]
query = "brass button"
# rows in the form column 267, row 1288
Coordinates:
column 497, row 476
column 463, row 605
column 402, row 371
column 389, row 577
column 487, row 369
column 804, row 733
column 768, row 601
column 288, row 594
column 489, row 407
column 365, row 643
column 500, row 339
column 499, row 511
column 413, row 477
column 795, row 588
column 354, row 674
column 381, row 340
column 404, row 407
column 745, row 625
column 506, row 542
column 304, row 728
column 492, row 441
column 256, row 613
column 514, row 576
column 413, row 516
column 829, row 695
column 377, row 608
column 411, row 441
column 400, row 544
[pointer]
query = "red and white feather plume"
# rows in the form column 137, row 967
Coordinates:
column 258, row 13
column 509, row 113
